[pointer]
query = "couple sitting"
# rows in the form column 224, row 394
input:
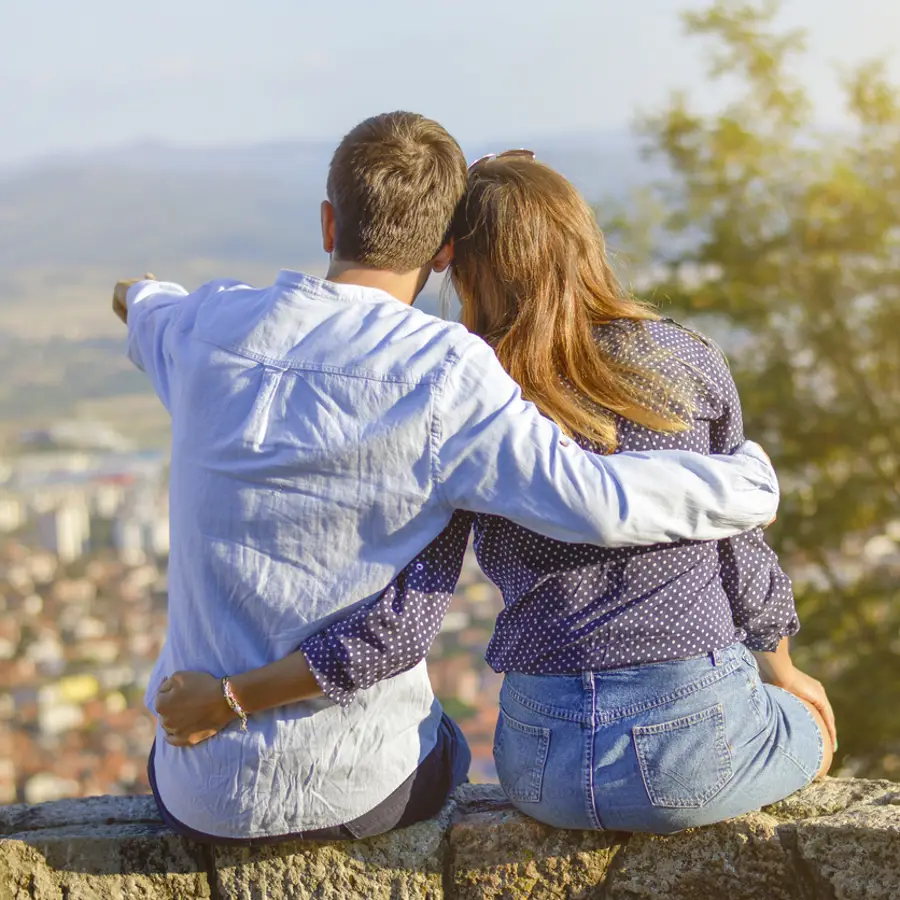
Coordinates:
column 332, row 449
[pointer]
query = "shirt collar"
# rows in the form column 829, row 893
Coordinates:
column 329, row 290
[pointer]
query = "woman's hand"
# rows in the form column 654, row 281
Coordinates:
column 191, row 708
column 807, row 688
column 777, row 668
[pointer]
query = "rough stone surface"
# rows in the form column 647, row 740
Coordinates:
column 837, row 840
column 741, row 860
column 102, row 862
column 833, row 795
column 68, row 813
column 497, row 852
column 854, row 855
column 404, row 865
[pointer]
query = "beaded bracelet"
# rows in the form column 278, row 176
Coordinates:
column 232, row 701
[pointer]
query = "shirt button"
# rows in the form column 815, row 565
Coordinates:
column 564, row 443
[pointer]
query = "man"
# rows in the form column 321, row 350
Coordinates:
column 323, row 432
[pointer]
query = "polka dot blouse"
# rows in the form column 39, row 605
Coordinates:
column 571, row 608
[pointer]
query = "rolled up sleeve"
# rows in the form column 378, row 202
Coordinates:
column 759, row 591
column 393, row 632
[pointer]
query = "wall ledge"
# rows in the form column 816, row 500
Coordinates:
column 839, row 838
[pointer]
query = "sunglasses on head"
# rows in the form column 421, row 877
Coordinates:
column 526, row 154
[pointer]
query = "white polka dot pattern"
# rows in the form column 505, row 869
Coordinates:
column 575, row 607
column 393, row 632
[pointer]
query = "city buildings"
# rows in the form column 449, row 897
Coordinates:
column 83, row 555
column 84, row 541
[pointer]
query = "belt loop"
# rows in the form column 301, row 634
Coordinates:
column 587, row 680
column 716, row 657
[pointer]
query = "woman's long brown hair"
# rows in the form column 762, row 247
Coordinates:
column 531, row 273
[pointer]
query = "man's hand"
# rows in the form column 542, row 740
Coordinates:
column 191, row 708
column 120, row 292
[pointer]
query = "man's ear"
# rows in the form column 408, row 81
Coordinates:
column 443, row 258
column 327, row 217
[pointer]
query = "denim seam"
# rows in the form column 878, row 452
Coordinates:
column 544, row 709
column 593, row 816
column 605, row 718
column 715, row 676
column 756, row 702
column 800, row 767
column 754, row 686
column 641, row 767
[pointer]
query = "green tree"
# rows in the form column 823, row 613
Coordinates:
column 787, row 237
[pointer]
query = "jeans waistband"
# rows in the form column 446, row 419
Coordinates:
column 603, row 696
column 716, row 658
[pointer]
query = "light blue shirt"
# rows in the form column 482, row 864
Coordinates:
column 322, row 435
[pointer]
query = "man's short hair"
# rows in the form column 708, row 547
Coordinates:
column 394, row 183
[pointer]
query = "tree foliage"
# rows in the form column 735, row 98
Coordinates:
column 787, row 237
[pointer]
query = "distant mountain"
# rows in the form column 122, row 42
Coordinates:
column 161, row 205
column 71, row 225
column 592, row 161
column 126, row 218
column 292, row 161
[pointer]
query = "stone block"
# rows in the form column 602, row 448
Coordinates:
column 743, row 859
column 102, row 862
column 854, row 855
column 497, row 852
column 838, row 839
column 403, row 865
column 832, row 795
column 85, row 811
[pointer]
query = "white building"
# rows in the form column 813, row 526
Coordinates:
column 45, row 786
column 12, row 514
column 128, row 539
column 66, row 529
column 141, row 529
column 107, row 500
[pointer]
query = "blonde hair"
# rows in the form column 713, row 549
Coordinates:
column 531, row 272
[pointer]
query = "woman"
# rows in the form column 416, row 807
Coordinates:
column 646, row 689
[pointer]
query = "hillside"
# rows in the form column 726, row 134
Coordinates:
column 70, row 226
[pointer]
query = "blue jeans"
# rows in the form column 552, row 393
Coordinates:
column 655, row 748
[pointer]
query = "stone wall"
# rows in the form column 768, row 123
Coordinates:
column 839, row 839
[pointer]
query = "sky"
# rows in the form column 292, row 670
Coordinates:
column 104, row 73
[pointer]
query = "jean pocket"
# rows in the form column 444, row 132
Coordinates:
column 684, row 762
column 520, row 753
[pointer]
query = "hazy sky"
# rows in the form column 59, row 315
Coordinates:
column 79, row 75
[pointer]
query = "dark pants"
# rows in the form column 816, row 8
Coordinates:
column 420, row 797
